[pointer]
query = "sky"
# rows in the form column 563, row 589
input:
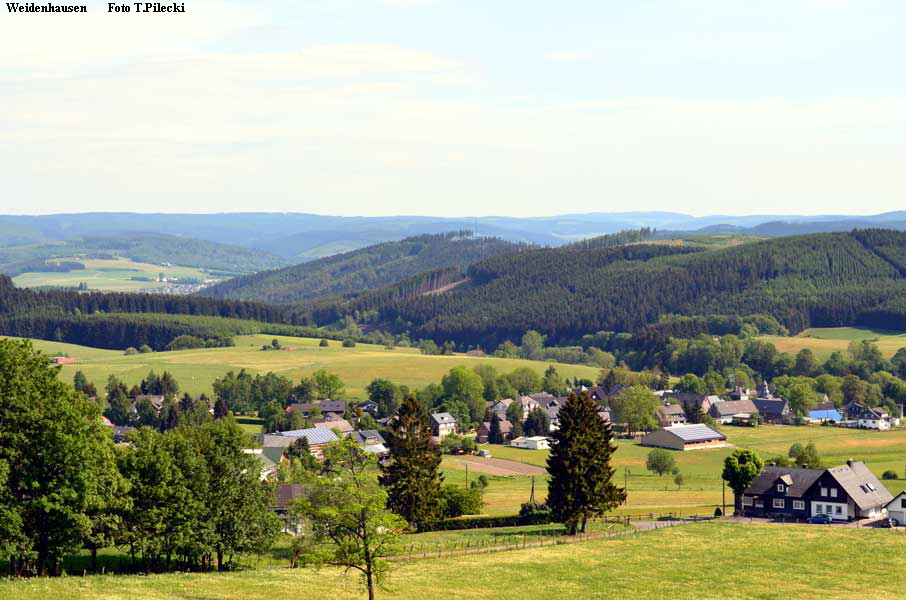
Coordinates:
column 457, row 107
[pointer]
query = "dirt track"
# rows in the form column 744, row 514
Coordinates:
column 497, row 466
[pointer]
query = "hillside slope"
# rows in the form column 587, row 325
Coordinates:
column 363, row 269
column 813, row 280
column 140, row 247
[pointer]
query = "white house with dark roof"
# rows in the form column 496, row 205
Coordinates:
column 444, row 424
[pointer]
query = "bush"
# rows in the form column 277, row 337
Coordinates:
column 347, row 343
column 145, row 349
column 535, row 513
column 888, row 474
column 323, row 343
column 718, row 512
column 130, row 351
column 453, row 443
column 460, row 501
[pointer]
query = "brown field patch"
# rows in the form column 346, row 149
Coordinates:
column 496, row 466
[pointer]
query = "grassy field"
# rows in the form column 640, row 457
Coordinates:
column 109, row 275
column 702, row 490
column 823, row 341
column 196, row 369
column 766, row 562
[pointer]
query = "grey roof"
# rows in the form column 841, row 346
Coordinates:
column 286, row 493
column 698, row 432
column 443, row 418
column 273, row 440
column 861, row 484
column 802, row 480
column 367, row 436
column 315, row 436
column 732, row 407
column 326, row 406
column 771, row 407
column 274, row 453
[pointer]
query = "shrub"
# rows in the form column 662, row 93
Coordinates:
column 460, row 501
column 323, row 343
column 347, row 343
column 535, row 513
column 145, row 349
column 718, row 512
column 130, row 351
column 888, row 474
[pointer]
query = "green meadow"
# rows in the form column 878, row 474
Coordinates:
column 824, row 340
column 704, row 561
column 702, row 490
column 113, row 275
column 196, row 370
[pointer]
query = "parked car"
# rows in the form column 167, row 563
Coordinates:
column 484, row 453
column 820, row 519
column 888, row 523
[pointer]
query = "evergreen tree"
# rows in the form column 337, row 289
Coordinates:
column 495, row 436
column 220, row 409
column 537, row 423
column 581, row 475
column 412, row 478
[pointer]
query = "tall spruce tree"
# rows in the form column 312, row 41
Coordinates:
column 581, row 475
column 495, row 436
column 412, row 478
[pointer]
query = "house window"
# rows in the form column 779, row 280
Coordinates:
column 839, row 510
column 798, row 505
column 747, row 501
column 833, row 492
column 824, row 491
column 819, row 508
column 778, row 503
column 780, row 487
column 902, row 502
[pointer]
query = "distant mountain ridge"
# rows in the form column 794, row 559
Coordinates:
column 363, row 269
column 298, row 237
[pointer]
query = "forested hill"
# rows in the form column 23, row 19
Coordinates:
column 810, row 280
column 363, row 269
column 140, row 247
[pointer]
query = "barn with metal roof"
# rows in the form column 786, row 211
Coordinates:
column 685, row 437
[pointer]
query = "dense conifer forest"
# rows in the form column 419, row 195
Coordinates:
column 815, row 280
column 363, row 269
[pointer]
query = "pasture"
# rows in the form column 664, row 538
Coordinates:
column 825, row 340
column 770, row 562
column 702, row 489
column 196, row 369
column 110, row 275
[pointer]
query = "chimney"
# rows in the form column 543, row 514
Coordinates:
column 849, row 463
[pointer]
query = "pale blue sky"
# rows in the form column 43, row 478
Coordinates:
column 449, row 107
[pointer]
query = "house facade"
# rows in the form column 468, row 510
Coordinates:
column 733, row 411
column 844, row 493
column 536, row 442
column 444, row 424
column 773, row 410
column 696, row 436
column 856, row 415
column 669, row 415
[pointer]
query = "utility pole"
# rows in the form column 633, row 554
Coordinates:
column 532, row 497
column 724, row 497
column 467, row 475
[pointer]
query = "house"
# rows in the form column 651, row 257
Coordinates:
column 764, row 391
column 334, row 422
column 596, row 393
column 733, row 411
column 444, row 424
column 485, row 430
column 372, row 441
column 896, row 508
column 685, row 437
column 273, row 440
column 499, row 406
column 327, row 407
column 528, row 405
column 856, row 415
column 156, row 401
column 670, row 414
column 317, row 438
column 824, row 412
column 605, row 415
column 121, row 433
column 368, row 406
column 691, row 403
column 844, row 493
column 741, row 393
column 537, row 442
column 284, row 496
column 269, row 458
column 772, row 410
